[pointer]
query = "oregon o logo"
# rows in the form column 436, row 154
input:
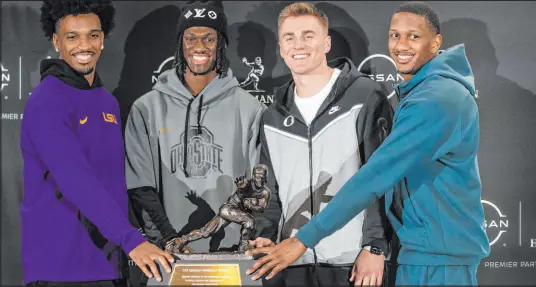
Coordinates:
column 288, row 121
column 382, row 69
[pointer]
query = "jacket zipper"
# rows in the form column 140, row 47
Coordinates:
column 311, row 192
column 310, row 144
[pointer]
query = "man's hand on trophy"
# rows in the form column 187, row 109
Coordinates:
column 261, row 242
column 146, row 254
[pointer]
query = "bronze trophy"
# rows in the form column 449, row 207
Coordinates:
column 221, row 268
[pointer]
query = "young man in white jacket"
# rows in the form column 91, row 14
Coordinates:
column 323, row 126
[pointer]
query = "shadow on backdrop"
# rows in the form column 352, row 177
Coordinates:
column 21, row 37
column 265, row 15
column 253, row 58
column 507, row 158
column 348, row 39
column 201, row 216
column 151, row 41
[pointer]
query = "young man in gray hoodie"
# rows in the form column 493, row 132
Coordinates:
column 189, row 138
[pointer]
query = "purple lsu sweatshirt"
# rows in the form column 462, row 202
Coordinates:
column 76, row 135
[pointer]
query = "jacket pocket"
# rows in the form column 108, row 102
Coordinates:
column 411, row 207
column 413, row 237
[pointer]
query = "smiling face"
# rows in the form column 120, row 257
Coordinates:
column 199, row 47
column 303, row 43
column 79, row 40
column 412, row 42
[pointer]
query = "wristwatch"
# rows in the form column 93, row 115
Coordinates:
column 374, row 250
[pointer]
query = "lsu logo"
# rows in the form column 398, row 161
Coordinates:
column 110, row 118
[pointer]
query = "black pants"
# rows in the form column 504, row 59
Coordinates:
column 103, row 283
column 318, row 276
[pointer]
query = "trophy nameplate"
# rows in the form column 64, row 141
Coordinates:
column 210, row 269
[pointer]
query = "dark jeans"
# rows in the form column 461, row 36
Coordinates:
column 318, row 276
column 103, row 283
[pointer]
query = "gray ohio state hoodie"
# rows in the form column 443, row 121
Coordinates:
column 183, row 154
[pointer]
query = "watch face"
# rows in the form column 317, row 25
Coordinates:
column 376, row 250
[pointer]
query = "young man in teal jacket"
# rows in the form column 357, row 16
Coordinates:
column 431, row 152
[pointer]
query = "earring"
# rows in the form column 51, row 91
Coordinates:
column 57, row 50
column 102, row 47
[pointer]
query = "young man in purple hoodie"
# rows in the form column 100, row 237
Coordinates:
column 74, row 212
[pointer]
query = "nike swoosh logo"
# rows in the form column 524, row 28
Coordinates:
column 332, row 111
column 83, row 121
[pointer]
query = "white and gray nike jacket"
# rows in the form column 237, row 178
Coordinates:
column 309, row 164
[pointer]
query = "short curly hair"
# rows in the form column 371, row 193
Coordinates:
column 425, row 10
column 54, row 10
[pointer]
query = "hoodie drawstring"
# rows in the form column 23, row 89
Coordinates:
column 186, row 127
column 185, row 140
column 199, row 115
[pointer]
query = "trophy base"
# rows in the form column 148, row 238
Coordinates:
column 213, row 256
column 212, row 269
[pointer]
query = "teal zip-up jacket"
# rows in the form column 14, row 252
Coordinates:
column 431, row 158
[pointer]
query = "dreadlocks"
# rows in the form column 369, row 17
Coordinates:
column 221, row 64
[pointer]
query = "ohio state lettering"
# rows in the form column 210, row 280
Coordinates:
column 203, row 155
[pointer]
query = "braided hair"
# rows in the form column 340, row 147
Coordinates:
column 222, row 62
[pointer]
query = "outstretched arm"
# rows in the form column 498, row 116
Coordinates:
column 245, row 61
column 419, row 135
column 241, row 182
